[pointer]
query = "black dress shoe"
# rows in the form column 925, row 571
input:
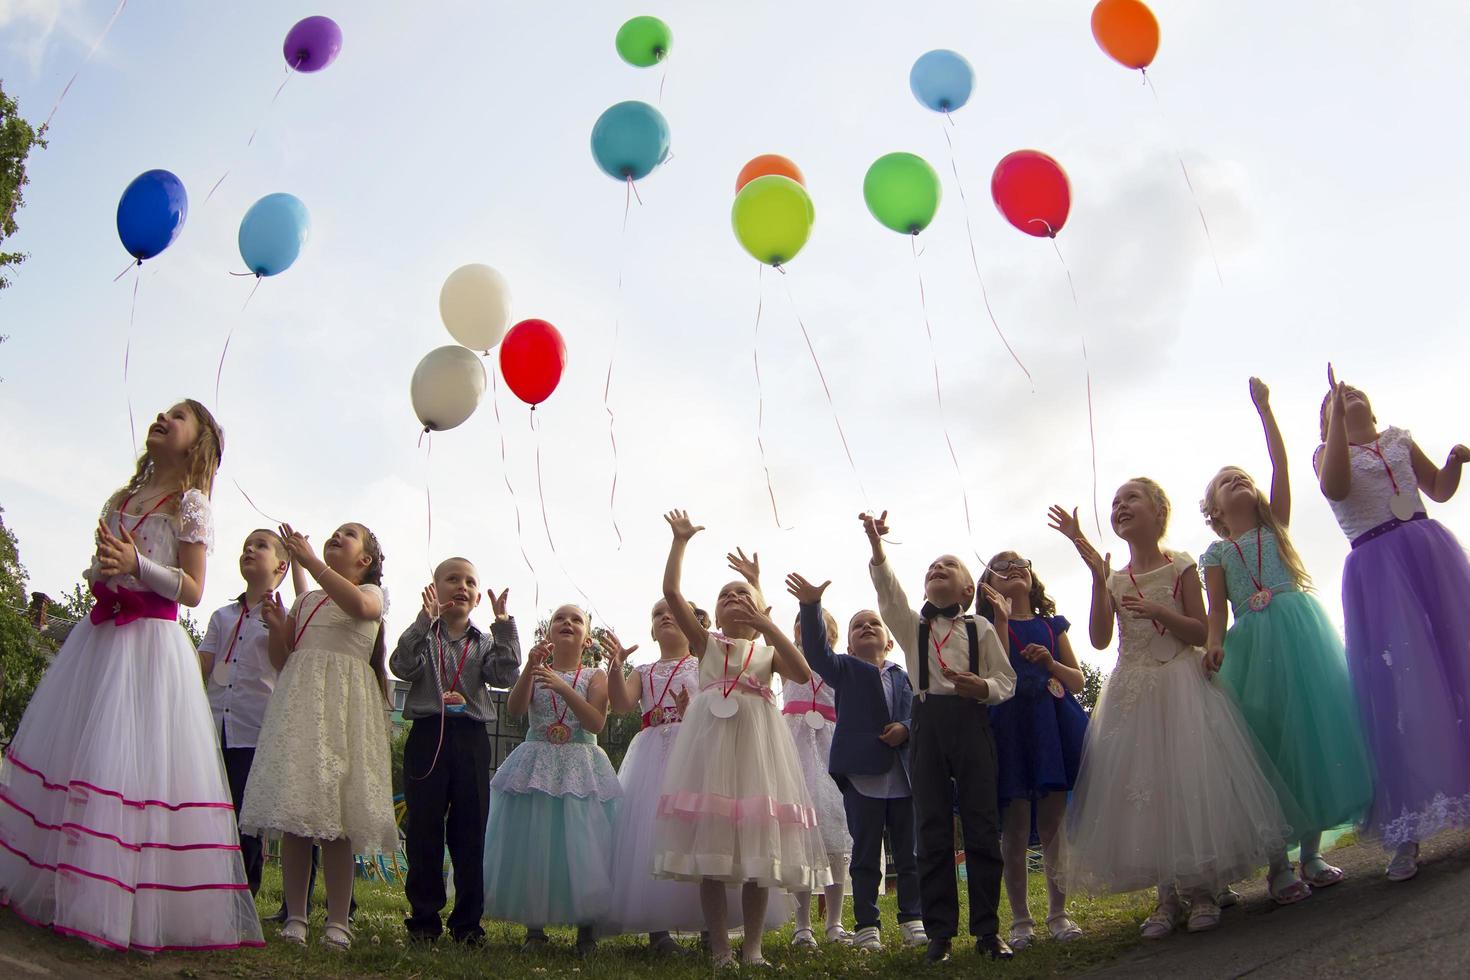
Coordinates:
column 994, row 947
column 938, row 951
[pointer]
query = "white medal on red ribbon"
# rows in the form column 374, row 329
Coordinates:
column 815, row 720
column 1403, row 506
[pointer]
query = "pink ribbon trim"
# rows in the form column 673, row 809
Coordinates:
column 66, row 787
column 802, row 707
column 746, row 685
column 69, row 826
column 130, row 889
column 126, row 606
column 140, row 947
column 691, row 806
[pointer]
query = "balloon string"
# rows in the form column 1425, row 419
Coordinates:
column 258, row 280
column 662, row 81
column 219, row 371
column 505, row 472
column 974, row 258
column 1087, row 369
column 760, row 396
column 427, row 438
column 612, row 435
column 290, row 70
column 828, row 391
column 546, row 522
column 130, row 265
column 939, row 394
column 117, row 12
column 1179, row 155
column 128, row 356
column 273, row 520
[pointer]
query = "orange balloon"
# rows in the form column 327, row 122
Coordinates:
column 1127, row 31
column 765, row 165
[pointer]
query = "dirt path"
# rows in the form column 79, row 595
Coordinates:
column 1366, row 926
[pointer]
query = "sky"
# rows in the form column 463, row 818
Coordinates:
column 1321, row 140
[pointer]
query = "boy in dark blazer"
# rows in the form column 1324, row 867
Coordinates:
column 870, row 759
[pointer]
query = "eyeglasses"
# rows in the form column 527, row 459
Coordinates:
column 1010, row 564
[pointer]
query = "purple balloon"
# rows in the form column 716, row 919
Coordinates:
column 312, row 44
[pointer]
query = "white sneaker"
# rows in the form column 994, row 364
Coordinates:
column 913, row 933
column 868, row 939
column 803, row 939
column 839, row 935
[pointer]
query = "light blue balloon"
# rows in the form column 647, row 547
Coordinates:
column 272, row 233
column 942, row 80
column 629, row 140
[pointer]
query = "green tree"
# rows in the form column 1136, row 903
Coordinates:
column 16, row 140
column 1093, row 680
column 24, row 653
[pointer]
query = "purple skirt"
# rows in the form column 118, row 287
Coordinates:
column 1406, row 600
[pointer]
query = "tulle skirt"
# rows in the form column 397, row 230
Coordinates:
column 116, row 824
column 548, row 859
column 1406, row 599
column 1171, row 788
column 1285, row 670
column 734, row 805
column 813, row 749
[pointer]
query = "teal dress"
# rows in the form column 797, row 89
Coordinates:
column 1286, row 670
column 548, row 842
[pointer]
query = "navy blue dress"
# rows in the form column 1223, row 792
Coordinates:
column 1038, row 735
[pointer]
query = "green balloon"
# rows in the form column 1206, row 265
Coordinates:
column 644, row 41
column 772, row 217
column 902, row 191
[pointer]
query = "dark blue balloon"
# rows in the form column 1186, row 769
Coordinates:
column 629, row 140
column 942, row 79
column 151, row 213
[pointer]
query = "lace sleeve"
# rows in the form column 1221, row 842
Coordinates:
column 1212, row 557
column 196, row 520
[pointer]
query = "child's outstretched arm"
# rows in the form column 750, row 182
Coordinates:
column 351, row 598
column 1216, row 618
column 683, row 529
column 788, row 661
column 282, row 630
column 518, row 703
column 747, row 568
column 814, row 646
column 1335, row 465
column 1439, row 483
column 1100, row 622
column 623, row 693
column 893, row 604
column 1276, row 449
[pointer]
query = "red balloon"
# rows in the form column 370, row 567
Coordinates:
column 532, row 359
column 1032, row 191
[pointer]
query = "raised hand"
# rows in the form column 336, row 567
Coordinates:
column 1101, row 566
column 543, row 676
column 296, row 543
column 894, row 734
column 747, row 568
column 497, row 603
column 681, row 700
column 875, row 527
column 1458, row 456
column 116, row 553
column 681, row 525
column 273, row 613
column 805, row 592
column 616, row 652
column 746, row 613
column 1037, row 654
column 1260, row 395
column 1001, row 603
column 431, row 602
column 1064, row 523
column 540, row 653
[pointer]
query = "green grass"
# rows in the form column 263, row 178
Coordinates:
column 382, row 949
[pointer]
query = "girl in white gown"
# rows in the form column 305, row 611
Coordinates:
column 1170, row 792
column 116, row 824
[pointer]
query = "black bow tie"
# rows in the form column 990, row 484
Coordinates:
column 931, row 611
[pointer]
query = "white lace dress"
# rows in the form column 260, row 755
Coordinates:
column 1170, row 788
column 322, row 768
column 813, row 748
column 116, row 824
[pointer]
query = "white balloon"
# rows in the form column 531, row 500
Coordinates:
column 447, row 387
column 475, row 306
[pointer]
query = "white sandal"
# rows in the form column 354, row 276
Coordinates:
column 1023, row 933
column 804, row 939
column 337, row 937
column 294, row 931
column 1063, row 929
column 1405, row 863
column 839, row 935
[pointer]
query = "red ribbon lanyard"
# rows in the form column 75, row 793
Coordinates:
column 938, row 647
column 659, row 702
column 1051, row 645
column 1177, row 577
column 235, row 633
column 1386, row 468
column 312, row 615
column 817, row 685
column 463, row 656
column 561, row 716
column 727, row 644
column 1256, row 578
column 123, row 511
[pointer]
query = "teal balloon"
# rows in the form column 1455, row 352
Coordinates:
column 644, row 41
column 629, row 140
column 272, row 234
column 772, row 217
column 902, row 192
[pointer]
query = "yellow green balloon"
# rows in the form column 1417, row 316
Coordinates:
column 902, row 191
column 644, row 41
column 772, row 217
